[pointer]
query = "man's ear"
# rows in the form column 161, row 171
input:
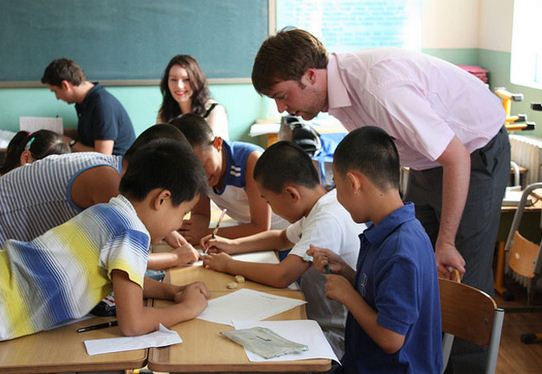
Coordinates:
column 309, row 78
column 161, row 198
column 217, row 143
column 65, row 85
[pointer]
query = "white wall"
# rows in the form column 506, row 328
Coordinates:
column 496, row 25
column 450, row 23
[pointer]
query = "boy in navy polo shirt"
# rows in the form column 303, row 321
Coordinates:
column 393, row 323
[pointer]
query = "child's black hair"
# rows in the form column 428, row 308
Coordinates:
column 195, row 128
column 282, row 163
column 371, row 151
column 41, row 144
column 158, row 131
column 166, row 164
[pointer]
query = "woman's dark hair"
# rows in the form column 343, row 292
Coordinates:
column 170, row 108
column 41, row 144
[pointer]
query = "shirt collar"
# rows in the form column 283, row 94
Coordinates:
column 377, row 233
column 336, row 90
column 91, row 92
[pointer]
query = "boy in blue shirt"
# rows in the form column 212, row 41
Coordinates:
column 229, row 167
column 393, row 324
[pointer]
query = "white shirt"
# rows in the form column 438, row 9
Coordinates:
column 421, row 101
column 328, row 225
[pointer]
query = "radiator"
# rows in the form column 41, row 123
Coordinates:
column 526, row 151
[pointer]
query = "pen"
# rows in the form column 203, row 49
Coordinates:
column 215, row 231
column 98, row 326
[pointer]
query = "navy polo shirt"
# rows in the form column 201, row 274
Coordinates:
column 396, row 275
column 102, row 117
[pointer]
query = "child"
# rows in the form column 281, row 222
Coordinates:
column 51, row 191
column 287, row 179
column 26, row 147
column 393, row 323
column 106, row 247
column 229, row 168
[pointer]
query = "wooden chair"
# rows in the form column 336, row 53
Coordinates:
column 472, row 315
column 524, row 256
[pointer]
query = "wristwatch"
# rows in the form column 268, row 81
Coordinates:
column 72, row 143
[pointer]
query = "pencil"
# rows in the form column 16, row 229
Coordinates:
column 98, row 326
column 215, row 230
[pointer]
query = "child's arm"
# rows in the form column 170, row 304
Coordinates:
column 260, row 212
column 198, row 225
column 267, row 240
column 279, row 275
column 136, row 319
column 180, row 256
column 340, row 289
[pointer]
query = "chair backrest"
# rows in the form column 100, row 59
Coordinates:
column 523, row 256
column 471, row 315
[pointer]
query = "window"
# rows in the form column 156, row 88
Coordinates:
column 346, row 25
column 526, row 65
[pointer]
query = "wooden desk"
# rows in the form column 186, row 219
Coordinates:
column 62, row 350
column 205, row 350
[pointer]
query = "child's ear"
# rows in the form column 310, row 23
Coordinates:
column 217, row 143
column 355, row 181
column 161, row 198
column 26, row 157
column 292, row 192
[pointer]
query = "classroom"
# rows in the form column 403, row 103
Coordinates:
column 270, row 186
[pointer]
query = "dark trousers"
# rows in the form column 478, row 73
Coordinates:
column 477, row 232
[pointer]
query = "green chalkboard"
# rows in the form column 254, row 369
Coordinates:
column 130, row 39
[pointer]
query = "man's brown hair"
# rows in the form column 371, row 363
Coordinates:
column 63, row 69
column 287, row 56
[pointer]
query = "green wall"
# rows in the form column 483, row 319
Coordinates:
column 243, row 104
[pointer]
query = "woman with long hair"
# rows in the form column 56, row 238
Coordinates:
column 185, row 90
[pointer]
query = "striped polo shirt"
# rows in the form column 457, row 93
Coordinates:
column 36, row 197
column 62, row 274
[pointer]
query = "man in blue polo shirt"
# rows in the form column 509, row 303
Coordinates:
column 103, row 124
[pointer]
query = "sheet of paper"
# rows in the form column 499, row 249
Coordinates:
column 160, row 338
column 245, row 305
column 306, row 332
column 32, row 124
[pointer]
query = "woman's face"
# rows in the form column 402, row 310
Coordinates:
column 179, row 84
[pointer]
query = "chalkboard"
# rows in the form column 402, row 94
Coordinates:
column 130, row 39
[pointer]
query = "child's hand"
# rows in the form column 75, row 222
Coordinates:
column 174, row 239
column 218, row 244
column 217, row 261
column 193, row 231
column 194, row 298
column 186, row 254
column 338, row 288
column 322, row 257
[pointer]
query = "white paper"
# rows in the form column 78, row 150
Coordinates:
column 32, row 124
column 160, row 338
column 306, row 332
column 264, row 128
column 246, row 305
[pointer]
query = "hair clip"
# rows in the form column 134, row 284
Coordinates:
column 29, row 142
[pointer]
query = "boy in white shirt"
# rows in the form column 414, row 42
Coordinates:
column 288, row 181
